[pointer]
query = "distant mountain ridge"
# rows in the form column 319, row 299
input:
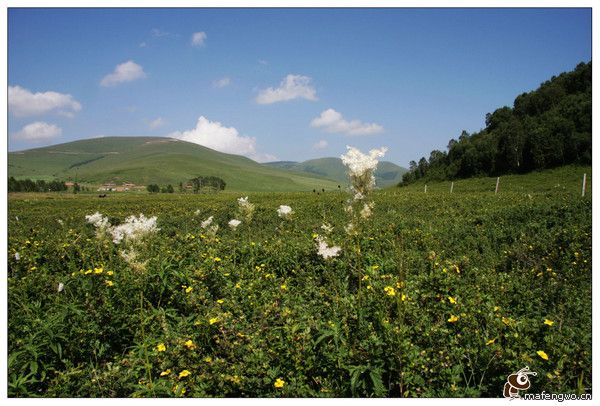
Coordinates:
column 145, row 160
column 387, row 173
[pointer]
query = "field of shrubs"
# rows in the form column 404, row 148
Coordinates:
column 405, row 294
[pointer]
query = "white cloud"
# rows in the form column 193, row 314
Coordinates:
column 198, row 39
column 158, row 122
column 321, row 144
column 125, row 72
column 333, row 122
column 21, row 103
column 214, row 135
column 222, row 82
column 143, row 44
column 291, row 87
column 157, row 33
column 263, row 62
column 38, row 131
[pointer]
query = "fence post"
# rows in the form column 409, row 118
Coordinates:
column 451, row 187
column 425, row 188
column 497, row 185
column 583, row 185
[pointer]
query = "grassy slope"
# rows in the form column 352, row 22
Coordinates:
column 144, row 160
column 552, row 181
column 387, row 173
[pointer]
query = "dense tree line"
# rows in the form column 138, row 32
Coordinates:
column 545, row 128
column 28, row 185
column 197, row 184
column 207, row 181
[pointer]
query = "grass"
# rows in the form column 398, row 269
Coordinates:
column 437, row 295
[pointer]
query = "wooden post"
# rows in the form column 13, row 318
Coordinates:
column 425, row 188
column 451, row 187
column 497, row 185
column 583, row 185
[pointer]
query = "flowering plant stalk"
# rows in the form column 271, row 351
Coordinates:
column 361, row 168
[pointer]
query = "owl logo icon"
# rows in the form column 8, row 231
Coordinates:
column 516, row 382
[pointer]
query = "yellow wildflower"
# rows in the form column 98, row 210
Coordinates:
column 189, row 344
column 217, row 259
column 364, row 278
column 109, row 283
column 390, row 291
column 490, row 342
column 208, row 360
column 176, row 389
column 184, row 373
column 219, row 301
column 506, row 320
column 453, row 318
column 161, row 347
column 89, row 271
column 188, row 289
column 213, row 320
column 110, row 273
column 548, row 322
column 284, row 287
column 279, row 383
column 543, row 355
column 98, row 270
column 403, row 297
column 165, row 373
column 452, row 300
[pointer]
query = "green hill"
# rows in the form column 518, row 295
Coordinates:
column 387, row 173
column 145, row 160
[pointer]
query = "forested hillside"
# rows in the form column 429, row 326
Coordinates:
column 545, row 128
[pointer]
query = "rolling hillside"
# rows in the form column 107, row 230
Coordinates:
column 144, row 160
column 387, row 174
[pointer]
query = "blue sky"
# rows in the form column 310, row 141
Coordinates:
column 280, row 84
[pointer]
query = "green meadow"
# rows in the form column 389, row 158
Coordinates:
column 436, row 294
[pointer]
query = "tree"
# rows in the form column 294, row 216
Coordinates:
column 153, row 188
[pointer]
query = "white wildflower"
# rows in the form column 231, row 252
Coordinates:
column 131, row 257
column 326, row 251
column 134, row 228
column 17, row 256
column 61, row 286
column 246, row 209
column 206, row 222
column 243, row 201
column 350, row 229
column 234, row 223
column 197, row 212
column 328, row 228
column 361, row 168
column 285, row 211
column 60, row 221
column 98, row 220
column 366, row 210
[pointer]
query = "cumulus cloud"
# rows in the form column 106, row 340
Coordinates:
column 214, row 135
column 22, row 103
column 222, row 82
column 125, row 72
column 333, row 122
column 291, row 87
column 321, row 144
column 38, row 131
column 158, row 122
column 198, row 39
